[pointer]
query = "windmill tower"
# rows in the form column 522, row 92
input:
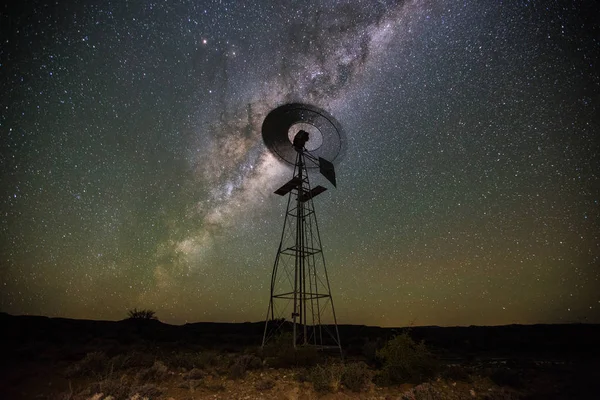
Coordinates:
column 300, row 294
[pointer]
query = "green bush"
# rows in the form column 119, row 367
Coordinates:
column 356, row 376
column 405, row 361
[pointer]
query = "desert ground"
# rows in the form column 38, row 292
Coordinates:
column 55, row 358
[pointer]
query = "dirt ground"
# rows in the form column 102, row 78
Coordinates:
column 36, row 382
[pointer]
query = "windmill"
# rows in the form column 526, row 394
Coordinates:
column 306, row 138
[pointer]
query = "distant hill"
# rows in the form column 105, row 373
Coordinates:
column 560, row 340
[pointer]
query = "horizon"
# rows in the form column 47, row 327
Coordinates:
column 158, row 320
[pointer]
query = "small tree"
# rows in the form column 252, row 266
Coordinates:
column 142, row 314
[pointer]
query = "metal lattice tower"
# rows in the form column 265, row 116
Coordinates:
column 300, row 294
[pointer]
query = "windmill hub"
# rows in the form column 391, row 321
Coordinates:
column 315, row 137
column 300, row 140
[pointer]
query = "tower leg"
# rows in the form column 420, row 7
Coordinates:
column 300, row 288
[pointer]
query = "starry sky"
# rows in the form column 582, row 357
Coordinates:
column 134, row 172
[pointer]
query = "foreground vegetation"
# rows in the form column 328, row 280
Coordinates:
column 142, row 358
column 400, row 368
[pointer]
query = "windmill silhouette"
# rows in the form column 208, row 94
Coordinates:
column 307, row 138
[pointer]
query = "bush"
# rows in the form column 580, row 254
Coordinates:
column 506, row 377
column 237, row 370
column 356, row 376
column 456, row 373
column 425, row 391
column 134, row 359
column 214, row 387
column 278, row 345
column 200, row 360
column 405, row 361
column 93, row 364
column 117, row 388
column 369, row 350
column 320, row 377
column 141, row 314
column 265, row 384
column 299, row 357
column 120, row 389
column 194, row 374
column 305, row 356
column 147, row 391
column 157, row 372
column 302, row 375
column 241, row 364
column 326, row 378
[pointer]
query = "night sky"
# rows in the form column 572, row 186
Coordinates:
column 133, row 172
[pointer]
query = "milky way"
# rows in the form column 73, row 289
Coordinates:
column 313, row 66
column 134, row 173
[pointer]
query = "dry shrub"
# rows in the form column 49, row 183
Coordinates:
column 302, row 356
column 306, row 356
column 190, row 384
column 200, row 360
column 356, row 376
column 237, row 370
column 93, row 364
column 369, row 350
column 326, row 378
column 116, row 388
column 320, row 377
column 148, row 390
column 265, row 384
column 134, row 359
column 502, row 394
column 506, row 377
column 214, row 387
column 302, row 375
column 281, row 353
column 243, row 363
column 424, row 391
column 278, row 345
column 405, row 361
column 157, row 372
column 194, row 374
column 456, row 373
